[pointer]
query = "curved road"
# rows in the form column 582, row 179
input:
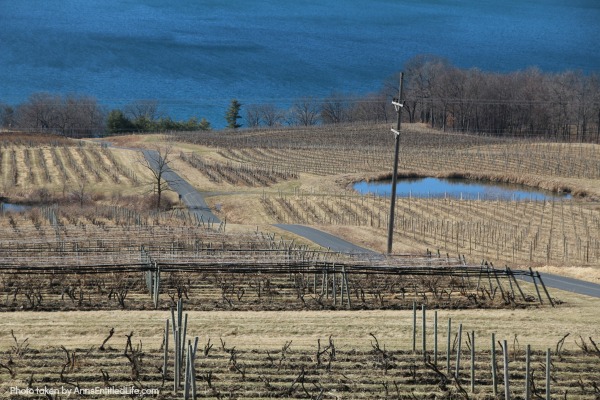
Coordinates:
column 336, row 244
column 327, row 240
column 195, row 202
column 190, row 196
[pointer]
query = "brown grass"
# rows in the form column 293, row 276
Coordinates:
column 266, row 329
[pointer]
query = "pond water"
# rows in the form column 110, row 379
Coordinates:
column 12, row 207
column 457, row 188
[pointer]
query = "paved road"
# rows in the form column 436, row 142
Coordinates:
column 569, row 284
column 190, row 196
column 336, row 244
column 326, row 240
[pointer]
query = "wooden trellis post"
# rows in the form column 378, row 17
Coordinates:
column 494, row 366
column 506, row 375
column 179, row 332
column 448, row 345
column 458, row 351
column 528, row 373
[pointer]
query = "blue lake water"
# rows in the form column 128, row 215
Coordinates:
column 13, row 207
column 457, row 188
column 194, row 56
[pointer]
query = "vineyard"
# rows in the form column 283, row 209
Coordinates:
column 530, row 232
column 53, row 165
column 86, row 288
column 113, row 258
column 514, row 232
column 368, row 149
column 430, row 358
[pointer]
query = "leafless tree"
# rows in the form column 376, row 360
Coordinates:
column 336, row 109
column 69, row 116
column 80, row 193
column 253, row 117
column 271, row 115
column 148, row 109
column 158, row 162
column 305, row 112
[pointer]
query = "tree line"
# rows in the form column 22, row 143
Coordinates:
column 83, row 116
column 529, row 103
column 563, row 105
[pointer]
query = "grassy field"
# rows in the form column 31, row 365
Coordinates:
column 49, row 168
column 258, row 178
column 273, row 348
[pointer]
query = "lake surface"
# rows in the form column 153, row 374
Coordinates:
column 457, row 188
column 194, row 56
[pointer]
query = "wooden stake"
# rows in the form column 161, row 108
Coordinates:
column 494, row 369
column 424, row 310
column 414, row 336
column 166, row 353
column 537, row 289
column 506, row 376
column 435, row 337
column 545, row 290
column 448, row 345
column 458, row 351
column 528, row 373
column 548, row 364
column 472, row 361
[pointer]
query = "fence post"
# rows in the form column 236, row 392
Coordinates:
column 448, row 348
column 435, row 337
column 516, row 283
column 166, row 355
column 414, row 335
column 424, row 309
column 537, row 289
column 506, row 384
column 346, row 286
column 156, row 296
column 494, row 368
column 548, row 374
column 528, row 373
column 545, row 290
column 458, row 351
column 472, row 361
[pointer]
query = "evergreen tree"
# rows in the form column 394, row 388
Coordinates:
column 233, row 114
column 117, row 122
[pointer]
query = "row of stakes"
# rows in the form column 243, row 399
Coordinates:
column 527, row 395
column 185, row 355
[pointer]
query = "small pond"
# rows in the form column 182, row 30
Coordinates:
column 12, row 207
column 457, row 188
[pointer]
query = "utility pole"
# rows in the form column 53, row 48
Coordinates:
column 398, row 103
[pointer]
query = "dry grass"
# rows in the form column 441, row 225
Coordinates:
column 268, row 329
column 61, row 170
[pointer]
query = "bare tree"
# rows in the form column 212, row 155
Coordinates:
column 69, row 116
column 305, row 111
column 336, row 109
column 271, row 115
column 80, row 193
column 253, row 117
column 147, row 109
column 158, row 162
